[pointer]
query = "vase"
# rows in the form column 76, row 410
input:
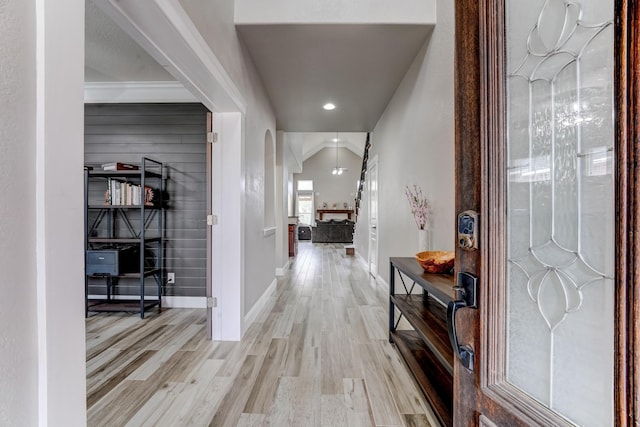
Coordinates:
column 423, row 243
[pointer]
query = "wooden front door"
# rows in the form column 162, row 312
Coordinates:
column 547, row 139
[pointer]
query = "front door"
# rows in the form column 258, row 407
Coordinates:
column 546, row 119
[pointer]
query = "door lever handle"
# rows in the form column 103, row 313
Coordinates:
column 467, row 288
column 460, row 290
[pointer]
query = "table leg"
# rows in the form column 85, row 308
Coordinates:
column 392, row 291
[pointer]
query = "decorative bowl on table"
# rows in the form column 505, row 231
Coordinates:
column 436, row 261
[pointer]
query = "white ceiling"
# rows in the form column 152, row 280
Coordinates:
column 357, row 67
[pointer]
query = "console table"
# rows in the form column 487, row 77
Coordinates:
column 334, row 211
column 425, row 348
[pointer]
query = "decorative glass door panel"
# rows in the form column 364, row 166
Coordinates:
column 560, row 206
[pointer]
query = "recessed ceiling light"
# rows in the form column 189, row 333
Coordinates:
column 329, row 106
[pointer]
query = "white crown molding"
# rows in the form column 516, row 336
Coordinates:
column 123, row 92
column 164, row 30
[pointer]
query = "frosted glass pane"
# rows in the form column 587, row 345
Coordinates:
column 541, row 151
column 566, row 114
column 597, row 93
column 519, row 170
column 560, row 206
column 519, row 33
column 582, row 393
column 527, row 337
column 550, row 25
column 596, row 234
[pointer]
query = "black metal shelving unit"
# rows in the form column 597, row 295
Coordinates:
column 117, row 226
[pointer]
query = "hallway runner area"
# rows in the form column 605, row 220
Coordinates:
column 318, row 355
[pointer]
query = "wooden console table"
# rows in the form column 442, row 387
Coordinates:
column 334, row 211
column 426, row 348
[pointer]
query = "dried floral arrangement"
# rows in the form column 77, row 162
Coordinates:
column 419, row 205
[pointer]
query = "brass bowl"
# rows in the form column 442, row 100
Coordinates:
column 436, row 261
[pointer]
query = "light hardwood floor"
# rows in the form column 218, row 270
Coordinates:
column 317, row 356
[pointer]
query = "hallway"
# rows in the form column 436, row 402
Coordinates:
column 317, row 356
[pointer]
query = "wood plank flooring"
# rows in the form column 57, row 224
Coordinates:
column 317, row 356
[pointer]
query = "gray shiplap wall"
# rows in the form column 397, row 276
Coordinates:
column 176, row 135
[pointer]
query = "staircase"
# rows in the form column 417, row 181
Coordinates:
column 363, row 172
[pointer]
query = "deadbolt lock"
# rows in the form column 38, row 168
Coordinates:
column 468, row 230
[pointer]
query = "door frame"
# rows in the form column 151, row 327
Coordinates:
column 373, row 163
column 311, row 194
column 209, row 208
column 479, row 102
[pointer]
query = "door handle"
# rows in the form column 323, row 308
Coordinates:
column 468, row 289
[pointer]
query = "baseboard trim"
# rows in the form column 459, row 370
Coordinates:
column 362, row 260
column 253, row 314
column 167, row 302
column 382, row 282
column 379, row 279
column 282, row 271
column 184, row 302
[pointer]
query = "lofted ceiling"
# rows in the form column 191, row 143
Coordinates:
column 355, row 66
column 313, row 142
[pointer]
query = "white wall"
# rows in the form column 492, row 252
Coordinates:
column 18, row 316
column 227, row 236
column 269, row 181
column 414, row 141
column 335, row 11
column 286, row 164
column 42, row 353
column 282, row 203
column 215, row 21
column 332, row 188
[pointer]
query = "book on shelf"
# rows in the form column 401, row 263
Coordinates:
column 118, row 166
column 122, row 193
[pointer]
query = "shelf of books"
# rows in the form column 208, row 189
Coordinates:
column 124, row 236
